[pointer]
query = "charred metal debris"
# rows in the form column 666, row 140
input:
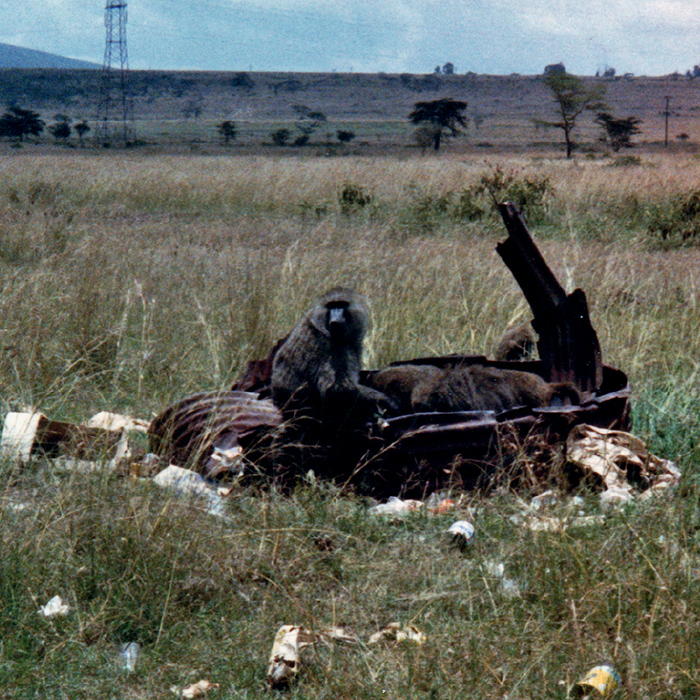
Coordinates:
column 242, row 432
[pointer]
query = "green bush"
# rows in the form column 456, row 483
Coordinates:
column 677, row 223
column 530, row 193
column 353, row 197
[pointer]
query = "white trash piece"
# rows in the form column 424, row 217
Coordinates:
column 19, row 434
column 189, row 483
column 462, row 533
column 55, row 608
column 130, row 655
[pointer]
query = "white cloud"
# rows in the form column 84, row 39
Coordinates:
column 370, row 35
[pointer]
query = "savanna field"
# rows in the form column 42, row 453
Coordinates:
column 130, row 281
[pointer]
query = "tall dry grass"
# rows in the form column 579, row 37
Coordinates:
column 129, row 282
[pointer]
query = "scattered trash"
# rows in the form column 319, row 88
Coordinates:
column 599, row 682
column 339, row 634
column 396, row 632
column 190, row 484
column 397, row 506
column 494, row 568
column 538, row 523
column 130, row 654
column 116, row 421
column 289, row 642
column 620, row 460
column 615, row 497
column 461, row 533
column 83, row 447
column 189, row 431
column 545, row 500
column 19, row 433
column 443, row 506
column 225, row 461
column 198, row 689
column 55, row 608
column 509, row 588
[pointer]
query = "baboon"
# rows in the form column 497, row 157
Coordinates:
column 422, row 388
column 316, row 383
column 401, row 382
column 517, row 343
column 318, row 365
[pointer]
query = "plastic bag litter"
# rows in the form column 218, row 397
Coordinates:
column 188, row 483
column 398, row 507
column 55, row 608
column 130, row 655
column 198, row 689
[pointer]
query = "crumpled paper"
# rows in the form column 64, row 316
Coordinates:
column 396, row 632
column 621, row 460
column 289, row 642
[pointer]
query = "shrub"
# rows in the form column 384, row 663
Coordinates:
column 529, row 193
column 280, row 137
column 353, row 197
column 345, row 136
column 678, row 223
column 625, row 161
column 468, row 206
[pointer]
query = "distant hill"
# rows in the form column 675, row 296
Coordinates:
column 17, row 57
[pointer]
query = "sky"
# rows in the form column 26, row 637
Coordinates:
column 644, row 37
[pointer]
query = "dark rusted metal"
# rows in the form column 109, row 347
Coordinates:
column 418, row 453
column 56, row 438
column 187, row 432
column 427, row 451
column 258, row 373
column 568, row 344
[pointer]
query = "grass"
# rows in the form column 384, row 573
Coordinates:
column 130, row 281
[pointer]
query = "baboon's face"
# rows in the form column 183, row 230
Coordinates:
column 338, row 320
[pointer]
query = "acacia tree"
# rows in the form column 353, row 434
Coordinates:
column 81, row 128
column 572, row 98
column 618, row 132
column 227, row 130
column 308, row 121
column 61, row 129
column 18, row 123
column 439, row 115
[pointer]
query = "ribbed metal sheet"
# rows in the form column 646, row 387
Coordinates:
column 187, row 431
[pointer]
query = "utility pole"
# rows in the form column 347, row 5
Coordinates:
column 667, row 114
column 116, row 111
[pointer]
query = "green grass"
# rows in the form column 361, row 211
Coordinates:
column 204, row 598
column 130, row 281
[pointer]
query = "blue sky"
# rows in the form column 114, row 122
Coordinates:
column 645, row 37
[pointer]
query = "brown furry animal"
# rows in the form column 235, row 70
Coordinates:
column 424, row 388
column 401, row 383
column 517, row 343
column 316, row 384
column 317, row 367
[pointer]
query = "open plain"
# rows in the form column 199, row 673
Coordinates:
column 134, row 277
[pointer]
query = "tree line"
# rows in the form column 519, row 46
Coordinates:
column 434, row 120
column 18, row 123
